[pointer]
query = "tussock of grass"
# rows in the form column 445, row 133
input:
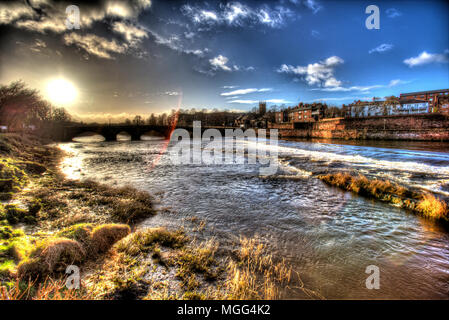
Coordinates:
column 434, row 208
column 425, row 204
column 14, row 214
column 7, row 232
column 145, row 240
column 196, row 260
column 80, row 243
column 12, row 177
column 104, row 236
column 362, row 185
column 53, row 256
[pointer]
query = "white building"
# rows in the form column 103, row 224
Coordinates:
column 403, row 108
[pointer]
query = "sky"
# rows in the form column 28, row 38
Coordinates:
column 143, row 57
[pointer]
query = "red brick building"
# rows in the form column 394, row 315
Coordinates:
column 432, row 96
column 307, row 112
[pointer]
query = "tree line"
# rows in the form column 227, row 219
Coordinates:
column 22, row 107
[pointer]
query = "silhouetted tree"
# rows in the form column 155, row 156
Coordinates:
column 138, row 120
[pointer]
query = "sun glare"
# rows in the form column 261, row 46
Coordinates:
column 61, row 91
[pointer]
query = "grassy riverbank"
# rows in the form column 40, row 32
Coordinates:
column 422, row 203
column 48, row 223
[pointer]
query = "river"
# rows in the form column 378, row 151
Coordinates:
column 328, row 236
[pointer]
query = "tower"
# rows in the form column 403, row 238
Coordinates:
column 262, row 107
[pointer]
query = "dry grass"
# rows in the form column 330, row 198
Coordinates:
column 255, row 275
column 50, row 289
column 53, row 256
column 426, row 204
column 144, row 240
column 434, row 208
column 104, row 236
column 81, row 242
column 362, row 185
column 196, row 259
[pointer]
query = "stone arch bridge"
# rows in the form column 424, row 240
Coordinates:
column 110, row 132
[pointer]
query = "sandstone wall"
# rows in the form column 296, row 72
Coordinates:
column 417, row 127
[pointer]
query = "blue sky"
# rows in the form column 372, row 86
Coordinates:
column 143, row 56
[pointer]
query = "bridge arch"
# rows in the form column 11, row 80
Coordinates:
column 123, row 136
column 88, row 136
column 152, row 135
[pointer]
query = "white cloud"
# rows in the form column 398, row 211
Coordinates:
column 381, row 48
column 244, row 101
column 174, row 43
column 353, row 88
column 322, row 74
column 245, row 91
column 426, row 58
column 229, row 87
column 278, row 101
column 189, row 35
column 43, row 25
column 364, row 89
column 257, row 101
column 396, row 82
column 393, row 13
column 14, row 11
column 95, row 45
column 171, row 93
column 319, row 73
column 131, row 33
column 343, row 98
column 312, row 5
column 237, row 14
column 53, row 16
column 219, row 62
column 315, row 34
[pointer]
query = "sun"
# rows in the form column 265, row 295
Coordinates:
column 61, row 91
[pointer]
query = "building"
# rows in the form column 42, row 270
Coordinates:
column 432, row 97
column 307, row 112
column 262, row 107
column 281, row 116
column 413, row 106
column 381, row 108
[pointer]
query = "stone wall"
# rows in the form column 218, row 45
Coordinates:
column 416, row 127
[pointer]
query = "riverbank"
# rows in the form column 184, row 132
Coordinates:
column 49, row 223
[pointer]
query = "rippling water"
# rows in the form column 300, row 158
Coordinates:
column 327, row 235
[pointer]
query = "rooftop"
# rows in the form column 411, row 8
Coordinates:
column 424, row 92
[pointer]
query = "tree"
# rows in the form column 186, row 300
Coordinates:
column 152, row 120
column 60, row 115
column 138, row 120
column 17, row 101
column 390, row 101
